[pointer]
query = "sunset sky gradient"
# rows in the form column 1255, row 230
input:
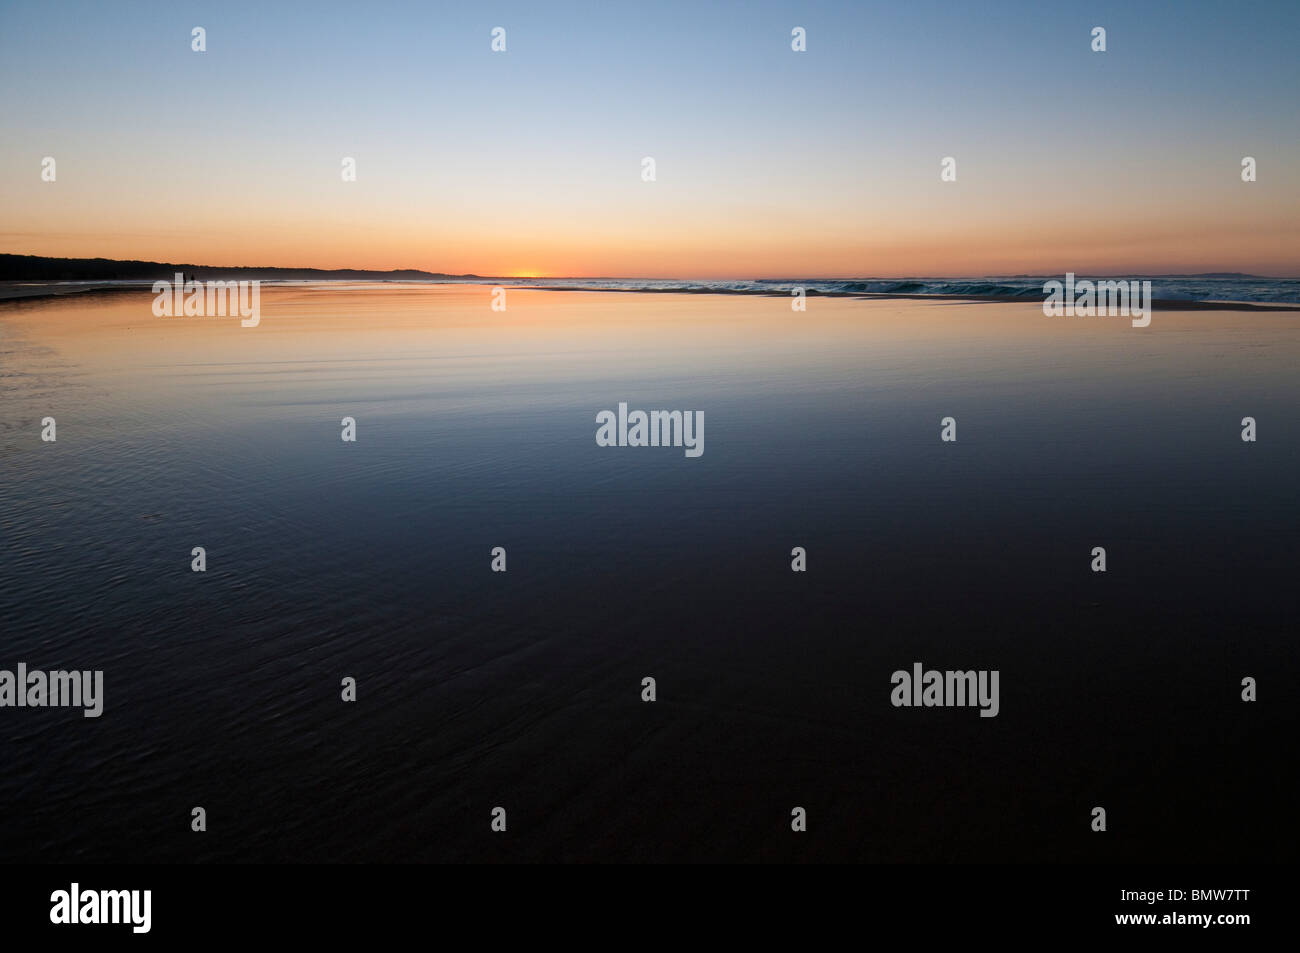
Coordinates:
column 770, row 163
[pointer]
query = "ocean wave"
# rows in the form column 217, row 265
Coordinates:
column 1191, row 288
column 1243, row 288
column 1167, row 288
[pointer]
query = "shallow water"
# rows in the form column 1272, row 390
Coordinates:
column 476, row 689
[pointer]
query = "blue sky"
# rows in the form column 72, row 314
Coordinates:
column 833, row 152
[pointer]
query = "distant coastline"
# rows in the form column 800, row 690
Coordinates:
column 40, row 268
column 33, row 277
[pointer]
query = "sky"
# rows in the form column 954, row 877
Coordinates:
column 768, row 162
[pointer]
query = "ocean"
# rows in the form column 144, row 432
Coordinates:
column 1166, row 288
column 476, row 429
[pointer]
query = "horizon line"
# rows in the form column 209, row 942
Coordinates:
column 549, row 277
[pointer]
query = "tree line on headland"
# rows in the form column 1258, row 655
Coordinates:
column 40, row 268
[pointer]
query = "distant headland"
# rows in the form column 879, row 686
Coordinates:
column 40, row 268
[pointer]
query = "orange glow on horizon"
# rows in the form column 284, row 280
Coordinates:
column 1258, row 236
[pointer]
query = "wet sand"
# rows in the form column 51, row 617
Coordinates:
column 476, row 429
